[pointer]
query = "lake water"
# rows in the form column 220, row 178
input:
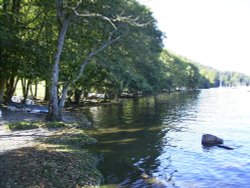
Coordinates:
column 156, row 141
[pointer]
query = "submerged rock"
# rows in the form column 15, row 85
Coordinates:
column 211, row 140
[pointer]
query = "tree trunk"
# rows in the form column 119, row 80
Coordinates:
column 77, row 96
column 35, row 94
column 25, row 88
column 10, row 88
column 62, row 100
column 55, row 112
column 23, row 82
column 85, row 93
column 55, row 105
column 1, row 91
column 31, row 91
column 47, row 91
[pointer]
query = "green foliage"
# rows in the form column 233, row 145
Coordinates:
column 230, row 79
column 23, row 125
column 135, row 63
column 182, row 72
column 178, row 72
column 214, row 78
column 28, row 44
column 130, row 64
column 210, row 77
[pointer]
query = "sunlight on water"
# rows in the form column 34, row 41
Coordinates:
column 156, row 141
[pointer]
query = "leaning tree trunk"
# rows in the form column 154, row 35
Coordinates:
column 56, row 105
column 55, row 112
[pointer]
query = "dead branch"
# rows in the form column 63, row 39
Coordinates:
column 118, row 18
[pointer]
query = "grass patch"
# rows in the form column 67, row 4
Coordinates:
column 23, row 125
column 26, row 125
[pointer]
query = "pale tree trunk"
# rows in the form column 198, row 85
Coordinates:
column 55, row 104
column 54, row 110
column 63, row 99
column 35, row 93
column 31, row 91
column 25, row 88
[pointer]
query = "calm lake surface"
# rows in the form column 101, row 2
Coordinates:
column 156, row 141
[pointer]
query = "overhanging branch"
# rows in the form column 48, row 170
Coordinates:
column 93, row 53
column 118, row 18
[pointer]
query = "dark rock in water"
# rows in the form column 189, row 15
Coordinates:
column 211, row 140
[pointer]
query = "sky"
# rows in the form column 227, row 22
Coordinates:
column 215, row 33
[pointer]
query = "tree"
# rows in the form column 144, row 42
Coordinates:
column 72, row 14
column 179, row 72
column 21, row 48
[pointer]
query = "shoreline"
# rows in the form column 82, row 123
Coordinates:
column 46, row 157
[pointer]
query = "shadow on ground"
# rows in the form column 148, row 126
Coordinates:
column 56, row 162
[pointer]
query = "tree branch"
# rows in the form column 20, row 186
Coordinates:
column 82, row 67
column 60, row 11
column 118, row 18
column 96, row 15
column 93, row 53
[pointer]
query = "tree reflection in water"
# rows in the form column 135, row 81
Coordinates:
column 132, row 137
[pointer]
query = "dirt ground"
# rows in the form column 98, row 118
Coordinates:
column 46, row 157
column 10, row 140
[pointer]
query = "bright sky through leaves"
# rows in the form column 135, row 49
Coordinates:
column 212, row 32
